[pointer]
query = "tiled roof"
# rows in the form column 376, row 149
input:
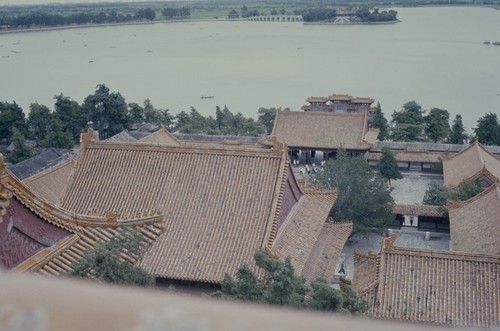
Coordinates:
column 475, row 223
column 84, row 229
column 469, row 164
column 430, row 286
column 50, row 183
column 418, row 210
column 47, row 158
column 317, row 99
column 340, row 97
column 325, row 255
column 408, row 156
column 301, row 229
column 323, row 130
column 362, row 100
column 221, row 202
column 123, row 136
column 160, row 137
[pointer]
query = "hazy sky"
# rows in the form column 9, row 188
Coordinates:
column 38, row 2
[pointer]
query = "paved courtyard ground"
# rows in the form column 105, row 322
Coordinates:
column 411, row 189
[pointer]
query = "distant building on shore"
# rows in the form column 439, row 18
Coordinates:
column 339, row 103
column 233, row 14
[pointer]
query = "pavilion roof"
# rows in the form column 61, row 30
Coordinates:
column 317, row 100
column 409, row 156
column 40, row 219
column 363, row 100
column 340, row 97
column 221, row 202
column 324, row 130
column 418, row 210
column 470, row 163
column 325, row 255
column 475, row 223
column 301, row 229
column 429, row 286
column 50, row 183
column 160, row 137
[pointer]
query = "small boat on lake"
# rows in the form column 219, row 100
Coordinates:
column 487, row 42
column 207, row 97
column 496, row 43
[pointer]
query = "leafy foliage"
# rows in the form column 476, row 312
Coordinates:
column 21, row 151
column 457, row 133
column 280, row 286
column 363, row 195
column 107, row 110
column 266, row 117
column 438, row 195
column 408, row 124
column 388, row 166
column 488, row 129
column 104, row 261
column 379, row 121
column 11, row 116
column 437, row 127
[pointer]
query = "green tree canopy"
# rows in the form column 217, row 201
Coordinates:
column 39, row 120
column 457, row 133
column 388, row 166
column 11, row 116
column 438, row 195
column 408, row 123
column 437, row 127
column 279, row 285
column 103, row 262
column 266, row 117
column 363, row 195
column 21, row 151
column 488, row 129
column 70, row 116
column 107, row 110
column 379, row 121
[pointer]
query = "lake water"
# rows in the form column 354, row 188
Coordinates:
column 435, row 56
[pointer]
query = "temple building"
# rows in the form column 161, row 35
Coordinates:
column 339, row 103
column 204, row 208
column 429, row 286
column 323, row 131
column 473, row 163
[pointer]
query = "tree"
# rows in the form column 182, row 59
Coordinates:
column 57, row 137
column 457, row 133
column 379, row 121
column 363, row 195
column 11, row 116
column 435, row 195
column 388, row 166
column 408, row 123
column 70, row 115
column 103, row 262
column 437, row 127
column 266, row 117
column 39, row 120
column 108, row 111
column 279, row 285
column 157, row 116
column 488, row 130
column 21, row 151
column 438, row 195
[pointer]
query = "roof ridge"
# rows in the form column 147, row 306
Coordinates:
column 323, row 113
column 458, row 204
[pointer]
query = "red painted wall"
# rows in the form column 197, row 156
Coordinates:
column 23, row 234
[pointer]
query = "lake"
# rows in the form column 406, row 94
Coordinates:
column 435, row 56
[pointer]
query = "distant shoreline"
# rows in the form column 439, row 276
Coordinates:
column 94, row 25
column 351, row 23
